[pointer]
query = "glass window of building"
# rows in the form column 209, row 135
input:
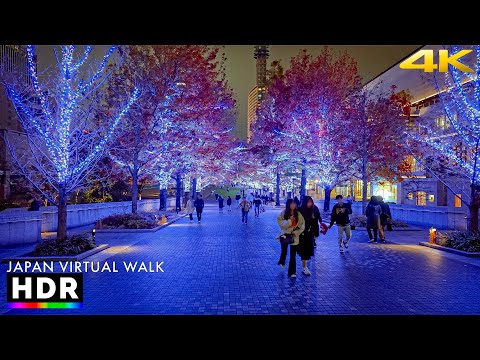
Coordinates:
column 458, row 201
column 442, row 122
column 421, row 198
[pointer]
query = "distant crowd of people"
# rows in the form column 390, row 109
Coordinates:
column 301, row 222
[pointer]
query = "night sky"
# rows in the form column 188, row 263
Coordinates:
column 372, row 60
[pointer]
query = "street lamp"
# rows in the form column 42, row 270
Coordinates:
column 93, row 235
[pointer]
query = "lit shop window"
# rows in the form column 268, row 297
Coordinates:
column 410, row 196
column 421, row 198
column 458, row 200
column 442, row 122
column 431, row 198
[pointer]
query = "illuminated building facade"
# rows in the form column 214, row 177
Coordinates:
column 13, row 62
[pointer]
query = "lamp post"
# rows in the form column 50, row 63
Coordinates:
column 93, row 236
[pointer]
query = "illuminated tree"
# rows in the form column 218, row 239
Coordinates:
column 373, row 132
column 450, row 150
column 179, row 121
column 302, row 104
column 66, row 129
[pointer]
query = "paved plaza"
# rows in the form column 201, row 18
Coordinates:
column 224, row 267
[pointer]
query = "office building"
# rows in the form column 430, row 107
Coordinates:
column 256, row 95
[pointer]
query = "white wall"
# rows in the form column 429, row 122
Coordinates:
column 441, row 217
column 19, row 226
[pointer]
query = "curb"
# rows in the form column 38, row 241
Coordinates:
column 450, row 250
column 138, row 231
column 77, row 257
column 410, row 228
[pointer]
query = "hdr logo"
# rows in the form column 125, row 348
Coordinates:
column 444, row 59
column 44, row 291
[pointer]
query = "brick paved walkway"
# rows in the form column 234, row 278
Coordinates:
column 224, row 267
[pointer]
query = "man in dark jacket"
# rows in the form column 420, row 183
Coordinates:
column 384, row 216
column 199, row 205
column 340, row 216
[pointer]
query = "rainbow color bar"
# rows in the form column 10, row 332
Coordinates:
column 44, row 305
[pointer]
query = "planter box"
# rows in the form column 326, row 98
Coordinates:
column 138, row 231
column 450, row 250
column 76, row 257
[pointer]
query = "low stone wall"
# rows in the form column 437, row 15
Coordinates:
column 84, row 214
column 19, row 226
column 440, row 217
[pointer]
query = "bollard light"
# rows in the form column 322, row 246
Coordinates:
column 93, row 235
column 433, row 235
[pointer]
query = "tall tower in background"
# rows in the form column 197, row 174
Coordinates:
column 261, row 55
column 256, row 95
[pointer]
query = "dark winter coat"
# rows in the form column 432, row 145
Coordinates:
column 220, row 202
column 341, row 217
column 306, row 249
column 229, row 201
column 237, row 197
column 386, row 214
column 199, row 205
column 317, row 222
column 373, row 213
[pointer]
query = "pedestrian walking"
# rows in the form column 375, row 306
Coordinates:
column 190, row 206
column 340, row 216
column 307, row 238
column 216, row 197
column 291, row 223
column 318, row 219
column 237, row 198
column 229, row 203
column 257, row 202
column 250, row 198
column 245, row 205
column 385, row 217
column 199, row 205
column 220, row 203
column 373, row 212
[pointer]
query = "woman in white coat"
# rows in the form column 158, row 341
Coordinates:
column 291, row 222
column 190, row 207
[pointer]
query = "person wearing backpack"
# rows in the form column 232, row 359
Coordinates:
column 237, row 198
column 245, row 205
